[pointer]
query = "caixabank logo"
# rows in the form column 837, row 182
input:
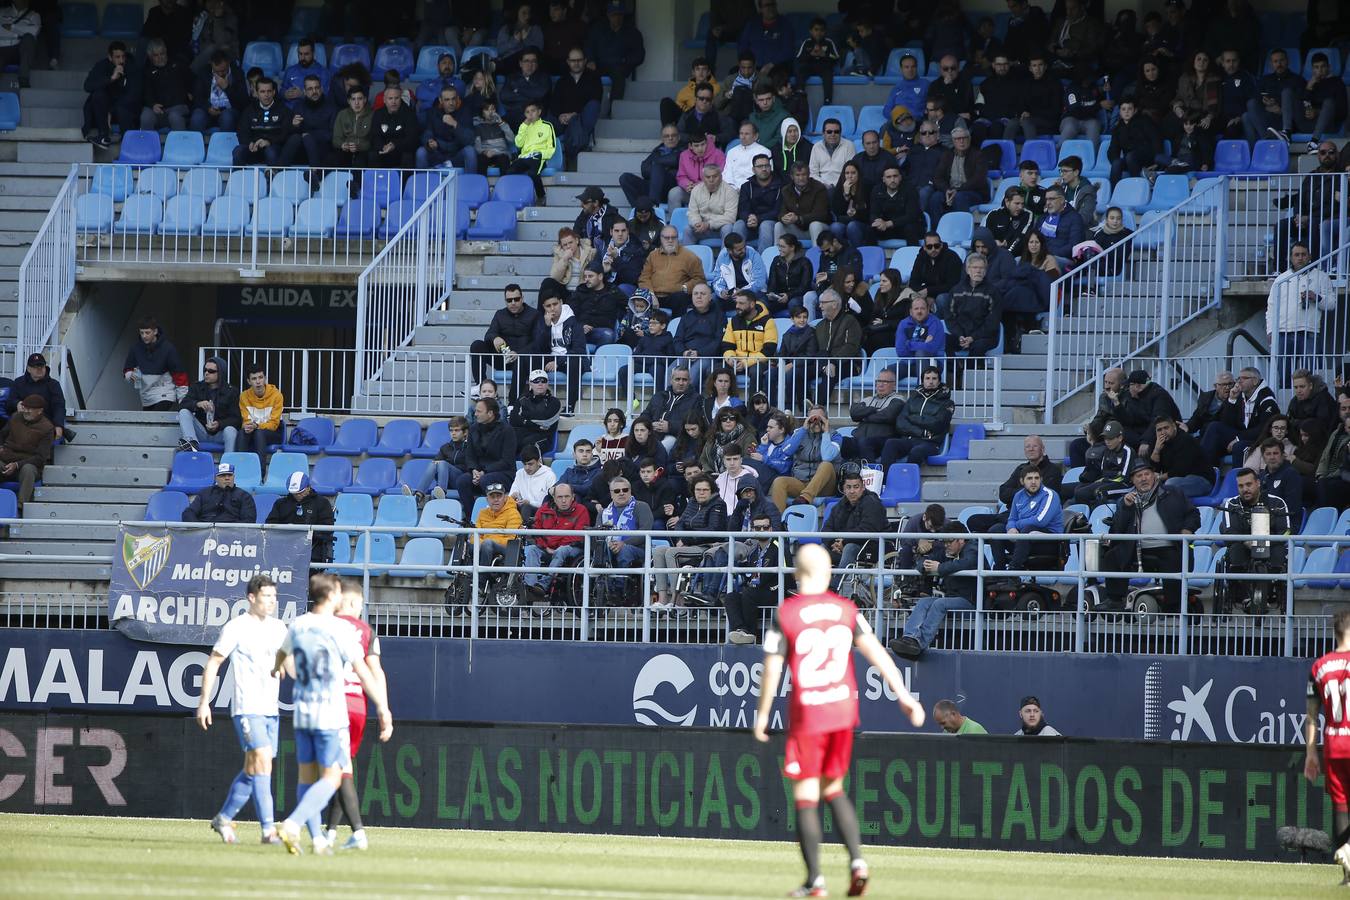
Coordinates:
column 1222, row 707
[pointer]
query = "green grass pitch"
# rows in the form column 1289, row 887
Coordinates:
column 61, row 856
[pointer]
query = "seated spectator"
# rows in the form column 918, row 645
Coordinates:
column 344, row 79
column 735, row 474
column 511, row 333
column 898, row 135
column 260, row 409
column 645, row 227
column 960, row 181
column 1001, row 94
column 312, row 120
column 1256, row 404
column 448, row 138
column 817, row 55
column 798, row 353
column 450, row 462
column 729, row 430
column 610, row 445
column 26, row 442
column 265, row 131
column 1171, row 513
column 534, row 416
column 532, row 484
column 165, row 85
column 615, row 48
column 1312, row 440
column 973, row 316
column 848, row 205
column 1108, row 407
column 1033, row 449
column 837, row 259
column 759, row 203
column 571, row 256
column 481, row 96
column 1279, row 92
column 699, row 341
column 1082, row 108
column 655, row 490
column 869, row 48
column 736, row 98
column 1146, row 403
column 748, row 504
column 871, row 160
column 300, row 505
column 1079, row 193
column 875, row 417
column 1324, row 102
column 1105, row 472
column 671, row 272
column 584, row 470
column 529, row 85
column 756, row 588
column 950, row 591
column 514, row 36
column 750, row 338
column 894, row 208
column 704, row 119
column 739, row 166
column 1279, row 477
column 935, row 112
column 657, row 175
column 219, row 96
column 1061, row 227
column 1110, row 232
column 1212, row 405
column 687, row 453
column 838, row 338
column 700, row 73
column 1136, row 144
column 1236, row 520
column 736, row 269
column 576, row 105
column 559, row 511
column 792, row 148
column 19, row 28
column 491, row 452
column 669, row 408
column 171, row 23
column 219, row 33
column 789, row 277
column 858, row 511
column 654, row 351
column 1024, row 290
column 921, row 335
column 1035, row 510
column 623, row 512
column 1192, row 148
column 114, row 97
column 712, row 208
column 917, row 542
column 305, row 66
column 209, row 410
column 1036, row 255
column 705, row 512
column 352, row 131
column 1333, row 469
column 597, row 305
column 924, row 422
column 500, row 512
column 154, row 369
column 700, row 154
column 398, row 132
column 596, row 219
column 804, row 206
column 223, row 501
column 911, row 90
column 812, row 470
column 831, row 153
column 563, row 31
column 493, row 140
column 536, row 144
column 633, row 326
column 889, row 309
column 1312, row 399
column 1040, row 105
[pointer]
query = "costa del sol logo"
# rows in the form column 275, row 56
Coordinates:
column 659, row 670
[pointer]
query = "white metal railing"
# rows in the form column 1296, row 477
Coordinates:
column 47, row 276
column 1186, row 377
column 1259, row 229
column 1127, row 301
column 1318, row 326
column 246, row 218
column 310, row 381
column 411, row 276
column 473, row 607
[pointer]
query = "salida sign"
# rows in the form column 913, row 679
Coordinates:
column 307, row 303
column 917, row 790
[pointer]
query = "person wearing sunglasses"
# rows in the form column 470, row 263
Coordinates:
column 210, row 409
column 830, row 154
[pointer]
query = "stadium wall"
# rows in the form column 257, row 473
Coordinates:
column 1196, row 699
column 1064, row 795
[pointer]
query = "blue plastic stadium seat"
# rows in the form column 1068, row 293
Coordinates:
column 161, row 181
column 438, row 433
column 517, row 190
column 959, row 447
column 902, row 484
column 870, row 118
column 315, row 218
column 410, row 473
column 280, row 468
column 184, row 148
column 141, row 214
column 353, row 510
column 473, row 190
column 421, row 185
column 428, row 61
column 1131, row 193
column 874, row 260
column 346, row 54
column 903, row 261
column 1042, row 152
column 122, row 20
column 163, row 506
column 891, row 74
column 1227, row 488
column 956, row 228
column 1079, row 147
column 228, row 217
column 320, row 428
column 247, row 469
column 836, row 111
column 336, row 186
column 882, row 358
column 398, row 438
column 79, row 20
column 290, row 184
column 184, row 216
column 272, row 217
column 248, row 184
column 374, row 476
column 113, row 180
column 1007, row 157
column 140, row 148
column 266, row 55
column 10, row 113
column 397, row 511
column 385, row 185
column 220, row 150
column 1333, row 59
column 432, row 510
column 463, row 219
column 705, row 255
column 496, row 221
column 470, row 52
column 331, row 474
column 354, row 437
column 1231, row 157
column 1168, row 191
column 1269, row 158
column 1321, row 520
column 94, row 214
column 192, row 472
column 591, row 431
column 605, row 365
column 359, row 218
column 393, row 56
column 395, row 217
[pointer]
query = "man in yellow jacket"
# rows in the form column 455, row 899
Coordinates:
column 537, row 142
column 750, row 338
column 260, row 407
column 500, row 512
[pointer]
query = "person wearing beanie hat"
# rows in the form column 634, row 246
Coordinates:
column 223, row 501
column 26, row 445
column 37, row 379
column 210, row 409
column 303, row 506
column 645, row 228
column 1033, row 722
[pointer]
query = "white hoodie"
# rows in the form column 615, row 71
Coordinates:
column 532, row 489
column 1288, row 311
column 557, row 340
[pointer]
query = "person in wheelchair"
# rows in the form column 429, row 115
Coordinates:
column 1247, row 556
column 623, row 513
column 1150, row 508
column 500, row 512
column 750, row 505
column 945, row 591
column 1035, row 509
column 559, row 511
column 705, row 512
column 757, row 586
column 860, row 510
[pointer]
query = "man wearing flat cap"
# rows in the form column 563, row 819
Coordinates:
column 26, row 445
column 1150, row 509
column 223, row 501
column 37, row 379
column 302, row 506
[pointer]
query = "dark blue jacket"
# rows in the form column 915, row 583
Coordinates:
column 702, row 332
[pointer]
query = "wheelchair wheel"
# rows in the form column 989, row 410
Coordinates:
column 1031, row 602
column 1145, row 605
column 457, row 594
column 505, row 590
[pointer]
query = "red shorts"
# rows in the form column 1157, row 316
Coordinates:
column 356, row 727
column 1336, row 773
column 823, row 755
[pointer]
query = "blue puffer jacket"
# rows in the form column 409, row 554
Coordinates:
column 1039, row 513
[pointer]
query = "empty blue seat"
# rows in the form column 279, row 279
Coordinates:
column 395, row 217
column 192, row 472
column 94, row 214
column 1168, row 191
column 873, row 259
column 315, row 218
column 1101, row 167
column 351, row 509
column 272, row 217
column 346, row 54
column 220, row 150
column 290, row 184
column 419, row 551
column 1269, row 158
column 162, row 181
column 1320, row 521
column 375, row 475
column 141, row 214
column 310, row 436
column 473, row 189
column 1131, row 193
column 122, row 20
column 470, row 52
column 139, row 148
column 79, row 20
column 398, row 511
column 1227, row 488
column 113, row 180
column 354, row 437
column 359, row 218
column 384, row 185
column 280, row 468
column 163, row 506
column 959, row 446
column 463, row 219
column 249, row 184
column 902, row 484
column 393, row 56
column 420, row 186
column 903, row 261
column 438, row 433
column 10, row 113
column 1007, row 164
column 266, row 55
column 496, row 221
column 336, row 186
column 518, row 190
column 204, row 184
column 1079, row 147
column 956, row 228
column 705, row 256
column 331, row 474
column 870, row 118
column 398, row 438
column 380, row 555
column 228, row 217
column 1041, row 151
column 183, row 217
column 428, row 62
column 1231, row 157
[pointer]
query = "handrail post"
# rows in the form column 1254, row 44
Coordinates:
column 304, row 380
column 252, row 270
column 1051, row 332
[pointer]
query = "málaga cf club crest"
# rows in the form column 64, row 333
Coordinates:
column 145, row 556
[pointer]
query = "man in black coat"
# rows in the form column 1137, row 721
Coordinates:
column 1178, row 458
column 657, row 172
column 1147, row 402
column 1135, row 143
column 266, row 134
column 895, row 209
column 222, row 502
column 1041, row 102
column 534, row 415
column 1133, row 517
column 164, row 86
column 668, row 409
column 859, row 510
column 210, row 409
column 491, row 454
column 219, row 96
column 302, row 506
column 37, row 379
column 576, row 106
column 974, row 312
column 312, row 119
column 1255, row 405
column 114, row 96
column 936, row 270
column 394, row 132
column 510, row 334
column 526, row 86
column 1213, row 406
column 1312, row 400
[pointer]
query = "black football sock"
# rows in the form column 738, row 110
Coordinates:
column 846, row 821
column 1342, row 822
column 808, row 835
column 334, row 812
column 350, row 805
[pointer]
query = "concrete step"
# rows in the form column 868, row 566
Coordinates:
column 48, row 96
column 64, row 80
column 52, row 152
column 649, row 91
column 40, row 117
column 87, row 494
column 99, row 550
column 641, row 110
column 375, row 403
column 621, row 145
column 152, row 478
column 981, row 470
column 25, row 169
column 1008, row 447
column 119, row 434
column 609, row 162
column 12, row 254
column 85, row 454
column 45, row 186
column 36, row 511
column 528, row 283
column 517, row 265
column 461, row 317
column 11, row 201
column 566, row 195
column 472, row 300
column 520, row 247
column 637, row 129
column 961, row 491
column 68, row 571
column 26, row 220
column 125, row 416
column 564, row 211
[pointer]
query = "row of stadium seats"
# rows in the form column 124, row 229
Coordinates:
column 1231, row 157
column 384, row 186
column 187, row 216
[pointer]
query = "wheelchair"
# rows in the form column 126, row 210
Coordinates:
column 1261, row 596
column 497, row 589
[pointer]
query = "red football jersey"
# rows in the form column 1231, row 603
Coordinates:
column 1330, row 683
column 815, row 633
column 355, row 695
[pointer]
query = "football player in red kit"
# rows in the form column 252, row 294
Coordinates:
column 1329, row 695
column 815, row 632
column 344, row 801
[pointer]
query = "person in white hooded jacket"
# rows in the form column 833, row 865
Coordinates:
column 1294, row 313
column 532, row 483
column 740, row 164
